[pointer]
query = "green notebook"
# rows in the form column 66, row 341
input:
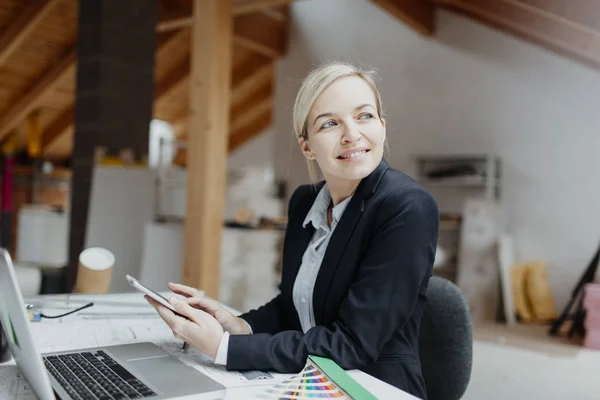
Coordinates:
column 341, row 378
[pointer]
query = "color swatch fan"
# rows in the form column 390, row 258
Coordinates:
column 321, row 378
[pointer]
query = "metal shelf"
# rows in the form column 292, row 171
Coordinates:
column 453, row 178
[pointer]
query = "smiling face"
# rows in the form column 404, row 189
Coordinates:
column 345, row 133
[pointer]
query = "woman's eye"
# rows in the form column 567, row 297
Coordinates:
column 367, row 115
column 328, row 124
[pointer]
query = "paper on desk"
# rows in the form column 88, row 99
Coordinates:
column 76, row 334
column 13, row 385
column 51, row 337
column 206, row 365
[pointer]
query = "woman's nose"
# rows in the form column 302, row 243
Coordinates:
column 351, row 133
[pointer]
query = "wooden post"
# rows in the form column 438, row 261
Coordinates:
column 212, row 32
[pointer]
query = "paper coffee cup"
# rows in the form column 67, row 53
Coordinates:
column 95, row 270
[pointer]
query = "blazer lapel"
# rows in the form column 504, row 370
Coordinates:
column 340, row 238
column 301, row 236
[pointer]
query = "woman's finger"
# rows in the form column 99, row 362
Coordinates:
column 175, row 322
column 182, row 307
column 204, row 303
column 182, row 289
column 162, row 310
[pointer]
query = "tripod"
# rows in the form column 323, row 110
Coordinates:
column 578, row 326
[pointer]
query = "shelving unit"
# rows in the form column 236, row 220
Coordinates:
column 170, row 186
column 452, row 179
column 476, row 172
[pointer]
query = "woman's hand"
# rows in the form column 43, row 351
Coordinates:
column 201, row 330
column 229, row 322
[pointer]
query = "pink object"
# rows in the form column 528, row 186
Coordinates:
column 592, row 340
column 591, row 299
column 591, row 303
column 592, row 319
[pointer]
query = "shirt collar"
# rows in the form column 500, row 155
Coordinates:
column 317, row 214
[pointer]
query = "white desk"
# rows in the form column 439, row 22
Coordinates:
column 79, row 331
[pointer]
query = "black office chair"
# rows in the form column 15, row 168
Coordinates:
column 446, row 341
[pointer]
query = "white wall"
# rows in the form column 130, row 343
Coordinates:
column 257, row 152
column 469, row 89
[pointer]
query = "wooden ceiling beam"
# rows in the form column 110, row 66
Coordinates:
column 261, row 33
column 174, row 19
column 247, row 74
column 249, row 117
column 261, row 120
column 172, row 79
column 166, row 38
column 182, row 17
column 533, row 24
column 246, row 68
column 31, row 99
column 252, row 84
column 57, row 128
column 418, row 14
column 244, row 118
column 242, row 7
column 23, row 25
column 255, row 128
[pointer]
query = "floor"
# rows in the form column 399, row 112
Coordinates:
column 524, row 362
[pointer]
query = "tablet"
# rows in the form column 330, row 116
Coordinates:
column 155, row 295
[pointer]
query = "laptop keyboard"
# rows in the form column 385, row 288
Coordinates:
column 95, row 375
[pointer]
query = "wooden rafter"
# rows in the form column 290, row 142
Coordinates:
column 174, row 19
column 535, row 24
column 57, row 128
column 31, row 99
column 418, row 14
column 242, row 7
column 182, row 17
column 23, row 25
column 242, row 135
column 247, row 68
column 255, row 111
column 263, row 32
column 248, row 100
column 237, row 138
column 172, row 79
column 251, row 73
column 252, row 84
column 251, row 105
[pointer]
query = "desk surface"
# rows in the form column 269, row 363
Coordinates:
column 114, row 313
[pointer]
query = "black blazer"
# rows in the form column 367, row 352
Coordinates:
column 370, row 290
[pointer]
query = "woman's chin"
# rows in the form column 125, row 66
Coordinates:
column 355, row 172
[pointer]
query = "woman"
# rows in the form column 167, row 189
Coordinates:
column 357, row 257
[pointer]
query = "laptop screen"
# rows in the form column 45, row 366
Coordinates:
column 15, row 325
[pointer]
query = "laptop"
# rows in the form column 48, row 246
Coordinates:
column 130, row 371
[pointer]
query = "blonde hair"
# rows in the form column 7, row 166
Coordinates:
column 314, row 84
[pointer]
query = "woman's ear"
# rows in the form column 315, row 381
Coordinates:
column 306, row 148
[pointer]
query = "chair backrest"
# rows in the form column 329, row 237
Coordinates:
column 446, row 341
